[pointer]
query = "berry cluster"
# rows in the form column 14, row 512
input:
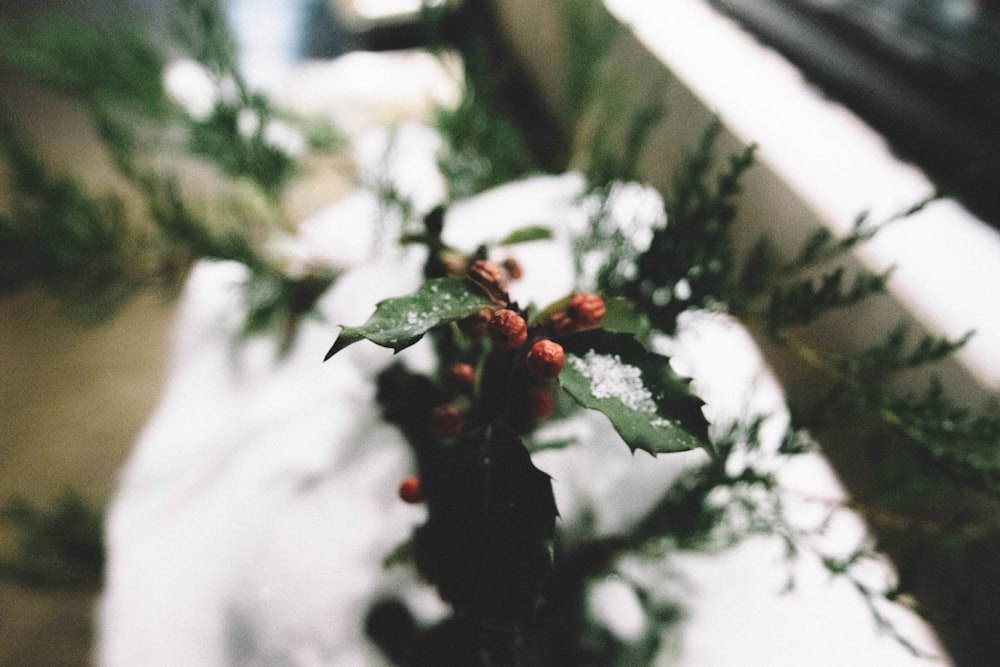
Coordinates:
column 527, row 358
column 508, row 328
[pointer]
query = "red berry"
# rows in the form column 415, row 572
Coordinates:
column 447, row 421
column 463, row 376
column 541, row 403
column 507, row 329
column 545, row 359
column 410, row 490
column 587, row 310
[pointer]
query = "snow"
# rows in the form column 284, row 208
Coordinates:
column 610, row 377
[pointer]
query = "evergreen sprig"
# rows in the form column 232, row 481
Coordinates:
column 806, row 300
column 894, row 354
column 57, row 547
column 690, row 261
column 693, row 251
column 962, row 445
column 115, row 65
column 822, row 246
column 488, row 139
column 82, row 246
column 55, row 235
column 201, row 29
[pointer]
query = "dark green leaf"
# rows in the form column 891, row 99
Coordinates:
column 401, row 553
column 648, row 404
column 60, row 546
column 526, row 234
column 805, row 301
column 414, row 239
column 624, row 316
column 488, row 541
column 759, row 270
column 818, row 243
column 400, row 322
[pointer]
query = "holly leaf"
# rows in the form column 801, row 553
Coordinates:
column 624, row 316
column 526, row 234
column 401, row 553
column 488, row 541
column 650, row 406
column 400, row 322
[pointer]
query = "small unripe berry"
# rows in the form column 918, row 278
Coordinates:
column 513, row 268
column 411, row 491
column 507, row 329
column 447, row 421
column 562, row 324
column 540, row 403
column 463, row 376
column 489, row 275
column 454, row 263
column 545, row 359
column 587, row 310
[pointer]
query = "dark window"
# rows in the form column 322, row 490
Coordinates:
column 924, row 73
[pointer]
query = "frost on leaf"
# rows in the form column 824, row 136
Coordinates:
column 400, row 322
column 648, row 404
column 611, row 378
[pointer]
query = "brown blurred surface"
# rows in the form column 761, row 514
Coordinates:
column 73, row 399
column 45, row 628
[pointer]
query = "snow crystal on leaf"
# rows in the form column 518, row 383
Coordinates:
column 611, row 378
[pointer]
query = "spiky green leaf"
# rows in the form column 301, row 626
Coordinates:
column 650, row 406
column 624, row 316
column 400, row 322
column 488, row 541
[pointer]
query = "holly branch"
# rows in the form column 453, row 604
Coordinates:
column 488, row 542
